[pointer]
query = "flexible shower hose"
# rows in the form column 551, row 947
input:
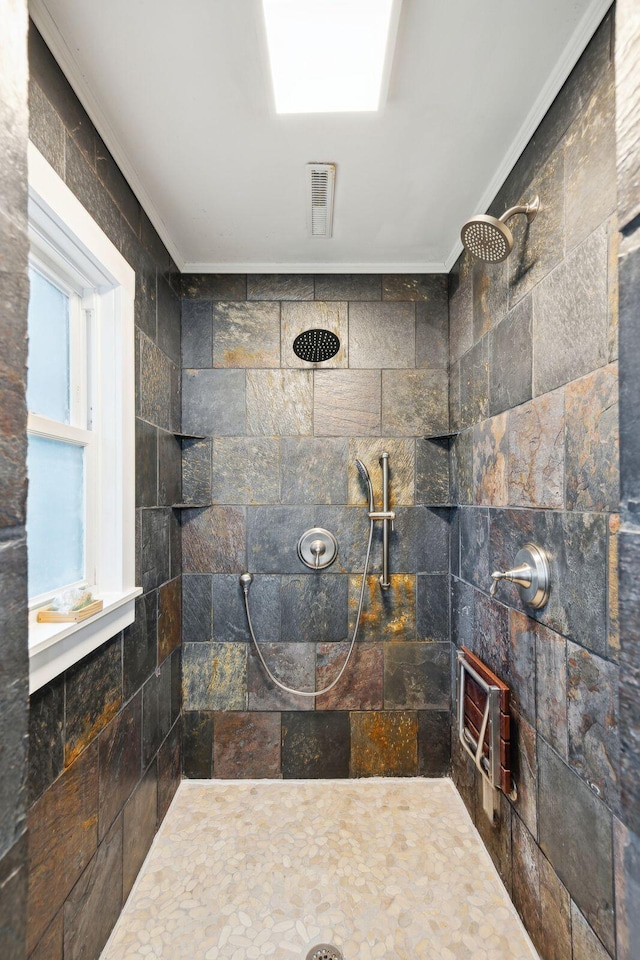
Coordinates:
column 315, row 693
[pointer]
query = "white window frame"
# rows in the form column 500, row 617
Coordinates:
column 63, row 231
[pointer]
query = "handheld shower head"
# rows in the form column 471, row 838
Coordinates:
column 489, row 238
column 364, row 473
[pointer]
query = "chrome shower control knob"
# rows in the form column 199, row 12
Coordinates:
column 317, row 548
column 530, row 574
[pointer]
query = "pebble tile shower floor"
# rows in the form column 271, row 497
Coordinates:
column 389, row 869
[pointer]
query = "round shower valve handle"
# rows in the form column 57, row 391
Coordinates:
column 317, row 548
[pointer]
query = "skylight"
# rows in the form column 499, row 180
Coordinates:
column 330, row 56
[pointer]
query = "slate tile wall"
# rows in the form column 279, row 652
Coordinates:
column 105, row 737
column 284, row 438
column 627, row 829
column 14, row 291
column 534, row 394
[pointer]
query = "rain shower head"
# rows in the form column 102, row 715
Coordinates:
column 489, row 238
column 364, row 473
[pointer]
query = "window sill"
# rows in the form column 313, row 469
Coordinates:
column 54, row 647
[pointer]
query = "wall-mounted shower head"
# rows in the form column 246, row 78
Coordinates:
column 364, row 473
column 489, row 238
column 316, row 346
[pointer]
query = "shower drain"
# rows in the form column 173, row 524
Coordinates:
column 324, row 951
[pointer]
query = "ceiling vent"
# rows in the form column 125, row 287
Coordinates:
column 321, row 178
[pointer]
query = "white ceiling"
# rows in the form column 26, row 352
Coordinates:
column 181, row 94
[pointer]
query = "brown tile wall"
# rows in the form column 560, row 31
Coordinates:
column 284, row 436
column 104, row 751
column 534, row 391
column 14, row 290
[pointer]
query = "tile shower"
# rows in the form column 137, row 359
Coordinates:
column 527, row 355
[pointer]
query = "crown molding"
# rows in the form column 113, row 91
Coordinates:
column 420, row 267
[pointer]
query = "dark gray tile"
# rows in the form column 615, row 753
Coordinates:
column 197, row 334
column 417, row 676
column 246, row 334
column 432, row 607
column 198, row 745
column 154, row 548
column 279, row 286
column 169, row 314
column 196, row 471
column 315, row 745
column 110, row 175
column 461, row 307
column 279, row 402
column 629, row 677
column 245, row 470
column 551, row 696
column 314, row 470
column 63, row 835
column 169, row 618
column 490, row 461
column 81, row 178
column 455, row 422
column 93, row 694
column 272, row 537
column 346, row 403
column 524, row 770
column 120, row 762
column 434, row 743
column 474, row 546
column 592, row 713
column 299, row 317
column 146, row 464
column 569, row 812
column 536, row 452
column 213, row 402
column 94, row 904
column 521, row 664
column 314, row 608
column 627, row 889
column 197, row 623
column 215, row 676
column 629, row 278
column 474, row 384
column 348, row 286
column 46, row 737
column 586, row 945
column 247, row 745
column 491, row 634
column 590, row 163
column 229, row 616
column 432, row 470
column 144, row 265
column 538, row 247
column 490, row 296
column 571, row 311
column 424, row 287
column 46, row 130
column 361, row 684
column 213, row 540
column 420, row 541
column 140, row 644
column 496, row 836
column 153, row 384
column 294, row 664
column 511, row 359
column 462, row 610
column 539, row 896
column 592, row 474
column 13, row 901
column 139, row 827
column 402, row 469
column 169, row 768
column 432, row 328
column 156, row 711
column 414, row 402
column 462, row 467
column 382, row 335
column 214, row 286
column 169, row 469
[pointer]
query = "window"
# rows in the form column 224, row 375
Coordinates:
column 80, row 390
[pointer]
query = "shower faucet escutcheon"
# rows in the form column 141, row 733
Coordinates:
column 530, row 574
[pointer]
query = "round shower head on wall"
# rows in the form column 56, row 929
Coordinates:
column 316, row 345
column 489, row 238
